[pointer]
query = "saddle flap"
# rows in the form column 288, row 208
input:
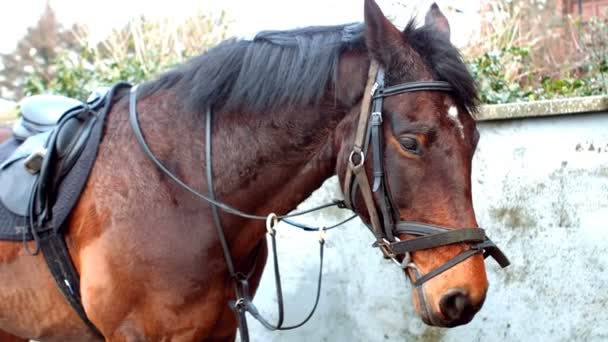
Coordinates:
column 17, row 182
column 29, row 146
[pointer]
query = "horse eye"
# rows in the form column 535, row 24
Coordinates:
column 410, row 144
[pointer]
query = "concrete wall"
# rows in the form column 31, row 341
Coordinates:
column 541, row 191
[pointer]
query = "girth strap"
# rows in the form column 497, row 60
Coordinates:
column 62, row 269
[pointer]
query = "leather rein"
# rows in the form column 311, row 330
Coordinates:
column 383, row 225
column 429, row 236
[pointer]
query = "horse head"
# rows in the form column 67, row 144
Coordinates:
column 419, row 169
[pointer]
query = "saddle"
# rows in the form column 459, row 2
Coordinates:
column 52, row 132
column 43, row 170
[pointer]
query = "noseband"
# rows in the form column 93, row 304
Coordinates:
column 381, row 212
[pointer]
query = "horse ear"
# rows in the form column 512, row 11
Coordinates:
column 435, row 19
column 384, row 41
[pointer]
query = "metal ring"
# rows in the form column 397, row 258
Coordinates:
column 374, row 88
column 416, row 270
column 271, row 221
column 361, row 161
column 322, row 234
column 387, row 251
column 407, row 259
column 240, row 303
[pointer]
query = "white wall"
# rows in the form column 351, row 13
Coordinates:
column 541, row 191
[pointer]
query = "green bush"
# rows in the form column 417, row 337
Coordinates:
column 496, row 86
column 525, row 52
column 76, row 74
column 138, row 52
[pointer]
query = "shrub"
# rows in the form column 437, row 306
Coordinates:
column 135, row 53
column 525, row 52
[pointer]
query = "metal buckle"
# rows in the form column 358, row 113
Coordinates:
column 271, row 221
column 378, row 116
column 408, row 263
column 374, row 88
column 239, row 304
column 33, row 163
column 322, row 235
column 387, row 250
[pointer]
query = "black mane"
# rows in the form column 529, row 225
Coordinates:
column 294, row 68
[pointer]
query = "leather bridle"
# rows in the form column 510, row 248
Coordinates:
column 381, row 213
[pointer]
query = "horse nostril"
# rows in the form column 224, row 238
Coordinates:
column 456, row 306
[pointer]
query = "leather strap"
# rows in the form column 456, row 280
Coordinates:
column 418, row 228
column 375, row 137
column 360, row 133
column 439, row 239
column 356, row 168
column 413, row 87
column 59, row 261
column 434, row 236
column 446, row 266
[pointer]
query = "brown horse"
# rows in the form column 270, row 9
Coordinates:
column 286, row 109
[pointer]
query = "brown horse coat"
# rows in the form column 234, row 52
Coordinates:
column 149, row 259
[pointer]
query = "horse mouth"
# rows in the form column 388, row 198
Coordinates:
column 437, row 319
column 440, row 322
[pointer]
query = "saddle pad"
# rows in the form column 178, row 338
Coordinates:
column 12, row 227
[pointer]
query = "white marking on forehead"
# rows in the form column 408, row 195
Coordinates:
column 453, row 112
column 453, row 116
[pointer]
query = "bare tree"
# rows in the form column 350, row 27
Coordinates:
column 34, row 53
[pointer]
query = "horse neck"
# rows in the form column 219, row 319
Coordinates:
column 272, row 162
column 265, row 164
column 261, row 163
